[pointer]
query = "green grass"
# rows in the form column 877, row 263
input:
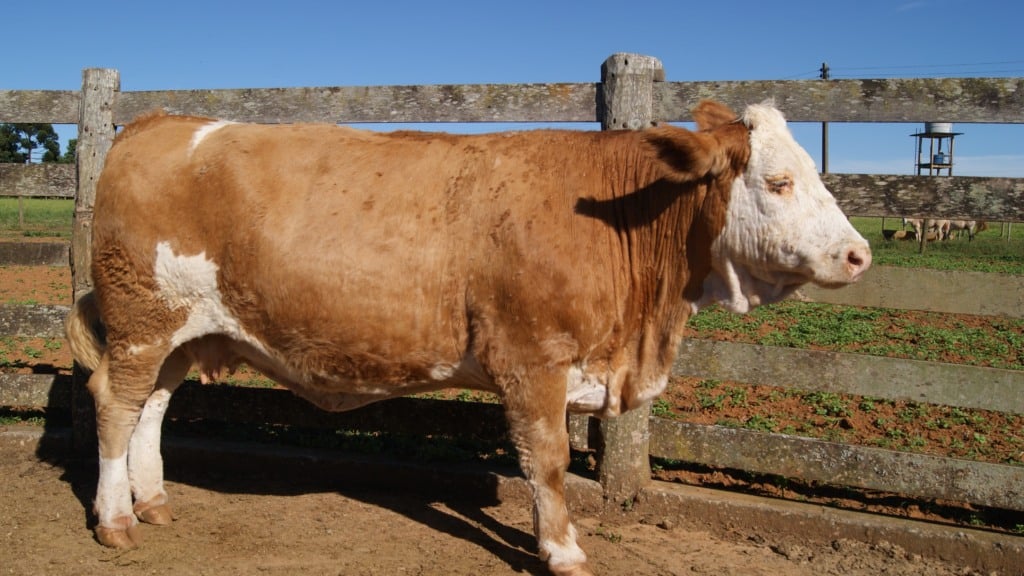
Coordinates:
column 875, row 331
column 988, row 252
column 45, row 218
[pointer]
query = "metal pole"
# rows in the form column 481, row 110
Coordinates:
column 824, row 127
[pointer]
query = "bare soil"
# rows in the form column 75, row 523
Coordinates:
column 272, row 525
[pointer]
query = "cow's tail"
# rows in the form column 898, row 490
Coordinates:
column 85, row 332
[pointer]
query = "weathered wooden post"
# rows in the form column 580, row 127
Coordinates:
column 627, row 100
column 95, row 135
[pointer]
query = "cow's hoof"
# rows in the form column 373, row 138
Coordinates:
column 120, row 538
column 159, row 515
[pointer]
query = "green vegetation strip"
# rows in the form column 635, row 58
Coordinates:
column 35, row 217
column 999, row 248
column 977, row 341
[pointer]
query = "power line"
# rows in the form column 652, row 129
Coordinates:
column 905, row 74
column 992, row 68
column 916, row 66
column 809, row 74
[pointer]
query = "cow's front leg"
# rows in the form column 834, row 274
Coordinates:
column 145, row 465
column 535, row 407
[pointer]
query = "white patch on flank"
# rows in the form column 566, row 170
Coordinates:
column 190, row 282
column 204, row 131
column 113, row 495
column 145, row 467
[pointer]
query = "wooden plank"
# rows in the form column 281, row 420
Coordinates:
column 49, row 180
column 34, row 253
column 35, row 391
column 868, row 100
column 39, row 106
column 951, row 291
column 956, row 197
column 919, row 475
column 873, row 376
column 562, row 102
column 997, row 100
column 32, row 321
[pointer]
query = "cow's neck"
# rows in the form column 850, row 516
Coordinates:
column 665, row 231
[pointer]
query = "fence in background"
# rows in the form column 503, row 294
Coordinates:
column 631, row 94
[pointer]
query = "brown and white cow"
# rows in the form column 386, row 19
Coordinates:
column 555, row 268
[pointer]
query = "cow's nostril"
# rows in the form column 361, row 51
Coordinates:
column 858, row 261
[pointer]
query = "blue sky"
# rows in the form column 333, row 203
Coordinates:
column 189, row 44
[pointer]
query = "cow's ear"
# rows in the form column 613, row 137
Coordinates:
column 685, row 155
column 710, row 115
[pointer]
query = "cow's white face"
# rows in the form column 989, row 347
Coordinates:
column 783, row 227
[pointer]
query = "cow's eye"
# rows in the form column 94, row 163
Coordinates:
column 781, row 184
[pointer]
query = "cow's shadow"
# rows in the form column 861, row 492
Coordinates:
column 410, row 490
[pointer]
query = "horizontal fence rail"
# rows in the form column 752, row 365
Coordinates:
column 47, row 180
column 34, row 253
column 438, row 103
column 40, row 106
column 872, row 376
column 997, row 100
column 954, row 292
column 952, row 197
column 994, row 485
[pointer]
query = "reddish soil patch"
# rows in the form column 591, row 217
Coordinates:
column 35, row 285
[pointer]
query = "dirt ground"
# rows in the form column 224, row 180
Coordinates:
column 227, row 525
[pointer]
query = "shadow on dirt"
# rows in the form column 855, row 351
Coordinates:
column 410, row 489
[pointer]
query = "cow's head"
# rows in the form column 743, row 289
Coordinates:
column 782, row 226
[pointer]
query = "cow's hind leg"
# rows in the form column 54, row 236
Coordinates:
column 120, row 387
column 536, row 414
column 145, row 465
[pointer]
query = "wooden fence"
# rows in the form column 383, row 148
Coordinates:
column 631, row 94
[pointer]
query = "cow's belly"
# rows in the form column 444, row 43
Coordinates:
column 339, row 349
column 337, row 391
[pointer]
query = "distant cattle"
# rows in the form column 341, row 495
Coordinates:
column 945, row 229
column 933, row 229
column 554, row 268
column 958, row 227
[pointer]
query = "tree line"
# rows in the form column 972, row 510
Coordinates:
column 19, row 144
